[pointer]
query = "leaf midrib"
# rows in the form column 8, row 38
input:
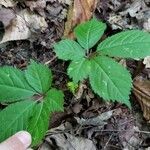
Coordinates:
column 4, row 85
column 39, row 114
column 108, row 78
column 39, row 79
column 101, row 47
column 88, row 36
column 20, row 114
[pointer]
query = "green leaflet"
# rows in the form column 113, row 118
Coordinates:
column 38, row 124
column 110, row 80
column 68, row 50
column 40, row 120
column 14, row 118
column 39, row 77
column 129, row 44
column 89, row 33
column 13, row 85
column 79, row 69
column 55, row 100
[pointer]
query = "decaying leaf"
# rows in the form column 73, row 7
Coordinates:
column 122, row 14
column 22, row 25
column 37, row 5
column 6, row 16
column 142, row 92
column 135, row 7
column 58, row 139
column 147, row 62
column 34, row 21
column 129, row 138
column 17, row 31
column 71, row 142
column 81, row 11
column 80, row 91
column 68, row 2
column 97, row 121
column 8, row 3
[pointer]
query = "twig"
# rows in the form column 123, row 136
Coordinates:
column 51, row 60
column 108, row 141
column 59, row 71
column 139, row 131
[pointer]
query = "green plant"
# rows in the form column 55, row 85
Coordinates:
column 72, row 87
column 31, row 100
column 108, row 78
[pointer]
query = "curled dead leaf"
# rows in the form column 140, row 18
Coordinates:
column 96, row 121
column 57, row 138
column 8, row 3
column 6, row 16
column 142, row 91
column 38, row 5
column 22, row 25
column 17, row 31
column 81, row 11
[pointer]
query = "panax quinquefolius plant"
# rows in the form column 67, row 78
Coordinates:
column 31, row 100
column 108, row 79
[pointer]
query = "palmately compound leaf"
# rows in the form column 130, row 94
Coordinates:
column 15, row 118
column 68, row 50
column 40, row 120
column 39, row 77
column 79, row 69
column 129, row 44
column 110, row 80
column 13, row 85
column 89, row 33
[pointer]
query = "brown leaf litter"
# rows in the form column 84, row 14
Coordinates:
column 142, row 92
column 82, row 10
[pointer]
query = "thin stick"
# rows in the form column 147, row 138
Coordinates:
column 51, row 60
column 108, row 141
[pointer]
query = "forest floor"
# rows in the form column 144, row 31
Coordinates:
column 88, row 122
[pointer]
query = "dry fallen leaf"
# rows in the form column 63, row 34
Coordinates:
column 96, row 121
column 142, row 91
column 37, row 5
column 17, row 31
column 146, row 62
column 81, row 11
column 57, row 138
column 8, row 3
column 68, row 2
column 6, row 16
column 22, row 25
column 135, row 8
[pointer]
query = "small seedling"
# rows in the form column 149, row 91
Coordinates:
column 31, row 100
column 72, row 87
column 108, row 79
